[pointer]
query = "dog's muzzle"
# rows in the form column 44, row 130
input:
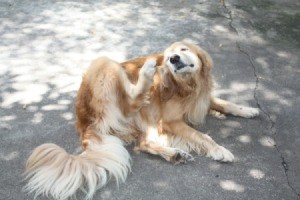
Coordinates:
column 177, row 62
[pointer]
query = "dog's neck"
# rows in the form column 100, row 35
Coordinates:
column 186, row 84
column 182, row 85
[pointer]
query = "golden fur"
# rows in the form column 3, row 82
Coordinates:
column 148, row 101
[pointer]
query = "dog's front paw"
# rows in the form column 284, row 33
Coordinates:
column 149, row 68
column 221, row 154
column 248, row 112
column 181, row 157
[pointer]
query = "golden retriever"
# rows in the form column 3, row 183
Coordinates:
column 149, row 101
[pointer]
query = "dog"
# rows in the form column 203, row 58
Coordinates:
column 151, row 101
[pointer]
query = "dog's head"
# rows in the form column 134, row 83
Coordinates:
column 188, row 66
column 186, row 58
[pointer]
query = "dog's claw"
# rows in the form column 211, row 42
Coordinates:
column 149, row 68
column 221, row 154
column 182, row 157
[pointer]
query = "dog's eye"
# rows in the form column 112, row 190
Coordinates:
column 183, row 49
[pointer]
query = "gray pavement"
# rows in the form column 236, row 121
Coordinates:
column 46, row 45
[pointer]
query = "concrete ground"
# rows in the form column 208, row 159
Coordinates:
column 46, row 45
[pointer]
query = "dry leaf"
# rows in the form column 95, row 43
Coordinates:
column 102, row 39
column 93, row 32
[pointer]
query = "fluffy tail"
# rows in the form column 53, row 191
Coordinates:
column 51, row 171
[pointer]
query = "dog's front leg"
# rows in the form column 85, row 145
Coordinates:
column 202, row 143
column 227, row 107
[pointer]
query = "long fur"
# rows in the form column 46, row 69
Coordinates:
column 199, row 110
column 146, row 100
column 52, row 171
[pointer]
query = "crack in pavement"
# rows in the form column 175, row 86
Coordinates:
column 269, row 118
column 256, row 87
column 229, row 13
column 271, row 121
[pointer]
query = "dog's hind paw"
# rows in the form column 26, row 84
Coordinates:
column 216, row 114
column 149, row 68
column 221, row 154
column 181, row 157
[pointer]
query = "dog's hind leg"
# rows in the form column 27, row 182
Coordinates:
column 152, row 143
column 139, row 93
column 173, row 155
column 227, row 107
column 144, row 82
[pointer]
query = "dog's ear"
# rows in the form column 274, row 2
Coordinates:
column 206, row 60
column 167, row 84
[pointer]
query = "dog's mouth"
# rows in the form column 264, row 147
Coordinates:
column 178, row 63
column 181, row 65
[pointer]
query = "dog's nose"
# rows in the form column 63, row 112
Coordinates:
column 175, row 59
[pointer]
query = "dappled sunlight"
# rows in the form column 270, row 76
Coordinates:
column 242, row 93
column 256, row 173
column 253, row 37
column 7, row 118
column 214, row 166
column 283, row 54
column 267, row 141
column 228, row 127
column 54, row 95
column 224, row 31
column 47, row 42
column 264, row 64
column 245, row 139
column 154, row 136
column 161, row 184
column 272, row 95
column 10, row 156
column 67, row 116
column 37, row 118
column 237, row 91
column 92, row 39
column 232, row 124
column 226, row 132
column 239, row 87
column 230, row 185
column 24, row 94
column 106, row 194
column 64, row 102
column 32, row 108
column 51, row 107
column 219, row 28
column 45, row 52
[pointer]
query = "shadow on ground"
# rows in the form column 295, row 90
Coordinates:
column 46, row 45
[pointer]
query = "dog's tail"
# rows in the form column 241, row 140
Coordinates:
column 52, row 171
